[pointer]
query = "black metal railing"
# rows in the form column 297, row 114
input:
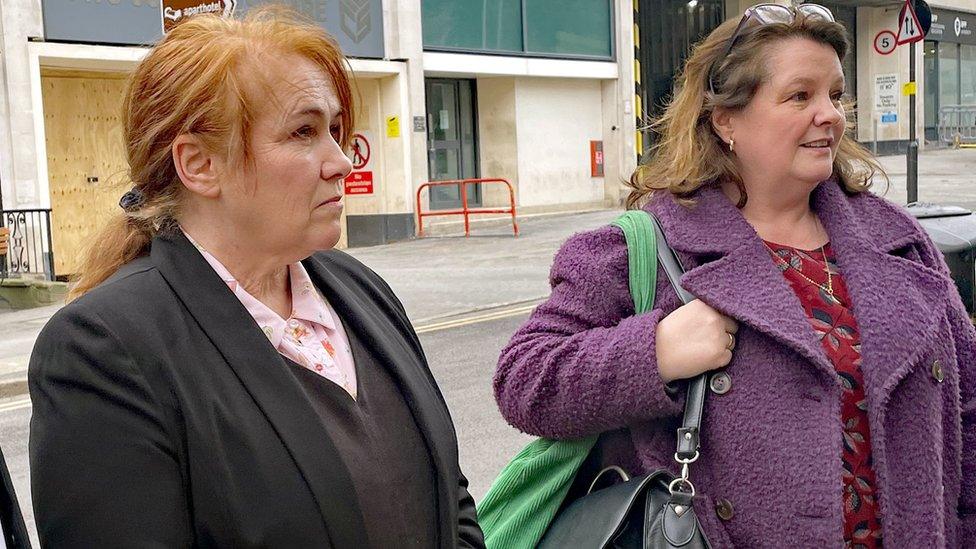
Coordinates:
column 31, row 251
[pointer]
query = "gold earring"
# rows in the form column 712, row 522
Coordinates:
column 731, row 144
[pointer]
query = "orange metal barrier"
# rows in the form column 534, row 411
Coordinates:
column 465, row 211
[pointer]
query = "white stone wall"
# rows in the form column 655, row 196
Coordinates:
column 403, row 37
column 19, row 21
column 497, row 137
column 555, row 120
column 619, row 123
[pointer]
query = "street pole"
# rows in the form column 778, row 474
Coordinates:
column 912, row 167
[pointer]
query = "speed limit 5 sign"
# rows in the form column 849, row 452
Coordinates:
column 885, row 42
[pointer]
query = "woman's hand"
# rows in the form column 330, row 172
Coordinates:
column 693, row 339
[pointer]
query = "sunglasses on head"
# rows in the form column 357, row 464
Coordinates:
column 767, row 14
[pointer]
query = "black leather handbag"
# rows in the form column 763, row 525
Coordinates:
column 654, row 511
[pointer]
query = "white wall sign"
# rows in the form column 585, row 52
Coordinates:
column 886, row 93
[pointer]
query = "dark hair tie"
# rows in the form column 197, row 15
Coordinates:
column 131, row 200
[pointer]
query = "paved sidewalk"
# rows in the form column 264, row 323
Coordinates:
column 440, row 277
column 944, row 177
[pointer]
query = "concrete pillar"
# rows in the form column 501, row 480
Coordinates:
column 389, row 217
column 20, row 20
column 619, row 120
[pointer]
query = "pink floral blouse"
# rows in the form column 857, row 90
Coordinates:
column 312, row 336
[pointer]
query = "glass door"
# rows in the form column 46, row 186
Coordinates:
column 452, row 145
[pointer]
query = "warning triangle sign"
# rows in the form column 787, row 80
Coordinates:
column 909, row 29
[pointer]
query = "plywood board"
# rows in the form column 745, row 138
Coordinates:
column 83, row 134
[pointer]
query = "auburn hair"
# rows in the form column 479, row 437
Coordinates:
column 690, row 154
column 193, row 81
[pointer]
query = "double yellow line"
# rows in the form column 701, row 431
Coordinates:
column 17, row 403
column 476, row 318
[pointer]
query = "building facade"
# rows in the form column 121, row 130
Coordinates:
column 553, row 96
column 449, row 90
column 945, row 73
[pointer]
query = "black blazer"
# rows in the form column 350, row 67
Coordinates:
column 14, row 530
column 163, row 417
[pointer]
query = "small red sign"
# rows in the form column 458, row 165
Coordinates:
column 359, row 183
column 596, row 158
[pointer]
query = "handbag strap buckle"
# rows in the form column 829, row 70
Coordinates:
column 683, row 480
column 675, row 486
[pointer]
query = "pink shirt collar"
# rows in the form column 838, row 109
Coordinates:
column 307, row 304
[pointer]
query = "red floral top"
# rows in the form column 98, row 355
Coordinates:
column 834, row 323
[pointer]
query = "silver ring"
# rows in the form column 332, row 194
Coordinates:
column 674, row 483
column 731, row 344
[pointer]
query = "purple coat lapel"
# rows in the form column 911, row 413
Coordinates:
column 897, row 301
column 731, row 270
column 736, row 275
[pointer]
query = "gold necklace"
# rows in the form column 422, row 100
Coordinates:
column 829, row 288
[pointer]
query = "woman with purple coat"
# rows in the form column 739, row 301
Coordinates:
column 845, row 415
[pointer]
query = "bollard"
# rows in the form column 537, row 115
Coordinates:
column 874, row 143
column 912, row 172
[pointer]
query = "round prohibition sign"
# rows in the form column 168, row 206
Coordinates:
column 885, row 42
column 360, row 151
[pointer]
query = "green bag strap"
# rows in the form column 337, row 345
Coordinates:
column 641, row 257
column 524, row 499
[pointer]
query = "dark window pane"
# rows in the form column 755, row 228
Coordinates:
column 967, row 74
column 487, row 25
column 948, row 74
column 931, row 84
column 573, row 27
column 469, row 157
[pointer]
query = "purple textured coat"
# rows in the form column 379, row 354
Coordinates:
column 771, row 446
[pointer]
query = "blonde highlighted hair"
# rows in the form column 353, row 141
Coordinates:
column 690, row 154
column 193, row 82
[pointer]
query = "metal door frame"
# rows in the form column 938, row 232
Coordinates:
column 474, row 199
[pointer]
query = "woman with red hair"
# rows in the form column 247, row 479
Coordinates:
column 222, row 377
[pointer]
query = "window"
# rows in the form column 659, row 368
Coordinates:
column 950, row 79
column 931, row 88
column 967, row 74
column 494, row 25
column 545, row 28
column 573, row 27
column 948, row 74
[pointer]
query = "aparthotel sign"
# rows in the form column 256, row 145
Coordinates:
column 356, row 24
column 174, row 11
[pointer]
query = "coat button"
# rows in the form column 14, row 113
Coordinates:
column 724, row 510
column 937, row 372
column 720, row 383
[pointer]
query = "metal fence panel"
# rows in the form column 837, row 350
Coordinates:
column 957, row 124
column 31, row 253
